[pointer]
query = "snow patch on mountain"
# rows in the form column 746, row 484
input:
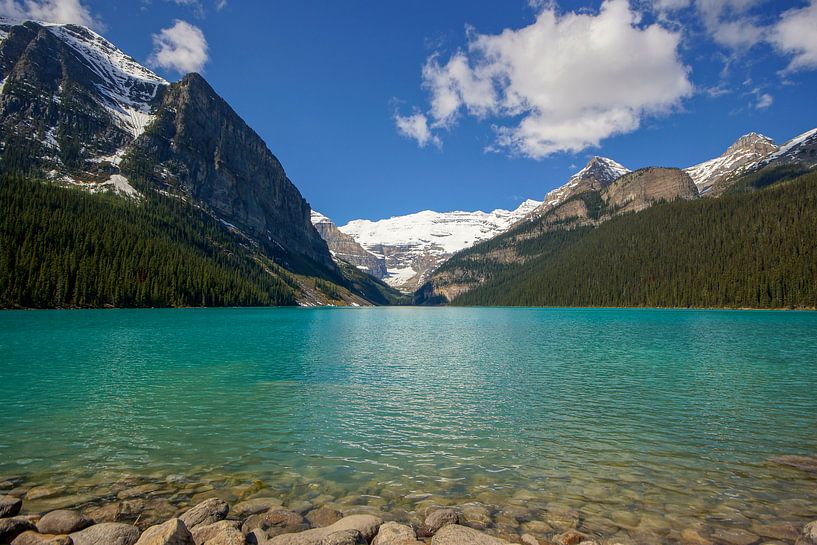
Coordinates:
column 414, row 244
column 126, row 88
column 744, row 154
column 792, row 145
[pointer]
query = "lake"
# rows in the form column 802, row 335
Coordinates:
column 640, row 422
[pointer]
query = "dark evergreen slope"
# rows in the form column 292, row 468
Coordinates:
column 750, row 248
column 66, row 248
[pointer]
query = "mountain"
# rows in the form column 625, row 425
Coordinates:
column 412, row 246
column 77, row 112
column 345, row 248
column 598, row 203
column 800, row 151
column 712, row 177
column 746, row 249
column 599, row 173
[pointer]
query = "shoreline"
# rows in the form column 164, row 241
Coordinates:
column 175, row 510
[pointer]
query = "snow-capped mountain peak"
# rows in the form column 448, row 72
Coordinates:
column 415, row 244
column 126, row 88
column 605, row 170
column 795, row 150
column 599, row 172
column 745, row 153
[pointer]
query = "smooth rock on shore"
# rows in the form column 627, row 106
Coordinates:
column 34, row 538
column 10, row 528
column 367, row 525
column 107, row 533
column 254, row 506
column 344, row 537
column 437, row 520
column 172, row 532
column 9, row 506
column 454, row 534
column 224, row 532
column 809, row 534
column 393, row 533
column 63, row 521
column 207, row 512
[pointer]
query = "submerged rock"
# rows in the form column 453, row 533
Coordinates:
column 454, row 534
column 254, row 506
column 63, row 521
column 172, row 532
column 10, row 506
column 323, row 516
column 806, row 463
column 46, row 491
column 107, row 533
column 735, row 536
column 571, row 537
column 207, row 512
column 809, row 534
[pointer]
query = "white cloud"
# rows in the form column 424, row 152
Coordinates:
column 795, row 35
column 764, row 101
column 181, row 47
column 415, row 126
column 52, row 11
column 729, row 22
column 574, row 79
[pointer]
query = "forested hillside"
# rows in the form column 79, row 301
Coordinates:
column 66, row 248
column 751, row 248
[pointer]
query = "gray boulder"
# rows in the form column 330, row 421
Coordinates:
column 207, row 512
column 454, row 534
column 63, row 521
column 10, row 528
column 9, row 506
column 107, row 533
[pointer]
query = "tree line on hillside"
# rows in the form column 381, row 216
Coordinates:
column 746, row 249
column 61, row 247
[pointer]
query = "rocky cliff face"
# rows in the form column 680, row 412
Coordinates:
column 77, row 110
column 641, row 189
column 199, row 147
column 599, row 173
column 68, row 98
column 345, row 248
column 713, row 177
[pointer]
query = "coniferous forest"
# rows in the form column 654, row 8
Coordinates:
column 61, row 247
column 751, row 248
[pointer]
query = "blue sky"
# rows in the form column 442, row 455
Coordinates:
column 498, row 101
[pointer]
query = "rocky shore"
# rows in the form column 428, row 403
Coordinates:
column 173, row 512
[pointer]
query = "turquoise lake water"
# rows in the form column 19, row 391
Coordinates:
column 663, row 412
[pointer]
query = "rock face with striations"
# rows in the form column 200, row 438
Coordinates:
column 345, row 247
column 199, row 146
column 641, row 189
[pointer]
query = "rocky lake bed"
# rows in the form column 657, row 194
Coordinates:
column 126, row 509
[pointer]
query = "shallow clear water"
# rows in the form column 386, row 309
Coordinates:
column 674, row 413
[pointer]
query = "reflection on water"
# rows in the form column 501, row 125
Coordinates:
column 665, row 413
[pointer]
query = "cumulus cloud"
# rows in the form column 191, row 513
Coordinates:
column 572, row 79
column 181, row 47
column 795, row 35
column 52, row 11
column 416, row 127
